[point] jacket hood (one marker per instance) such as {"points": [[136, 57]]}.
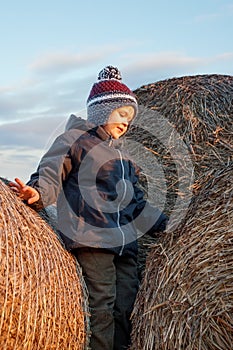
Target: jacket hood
{"points": [[75, 122]]}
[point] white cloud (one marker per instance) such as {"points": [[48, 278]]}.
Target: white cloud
{"points": [[44, 98], [149, 68], [22, 144], [65, 62], [158, 66], [19, 163], [62, 63], [226, 56], [164, 60], [34, 133]]}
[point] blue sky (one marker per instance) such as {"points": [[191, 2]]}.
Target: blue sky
{"points": [[52, 51]]}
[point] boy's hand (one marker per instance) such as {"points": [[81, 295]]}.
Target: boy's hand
{"points": [[25, 192]]}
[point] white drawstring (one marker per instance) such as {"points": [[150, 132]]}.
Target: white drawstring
{"points": [[118, 208]]}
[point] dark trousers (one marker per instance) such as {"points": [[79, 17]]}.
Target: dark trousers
{"points": [[112, 283]]}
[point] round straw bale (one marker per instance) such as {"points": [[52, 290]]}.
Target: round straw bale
{"points": [[43, 298], [200, 110], [186, 299]]}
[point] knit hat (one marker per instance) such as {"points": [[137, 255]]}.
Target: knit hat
{"points": [[107, 94]]}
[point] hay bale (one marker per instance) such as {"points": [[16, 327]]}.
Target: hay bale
{"points": [[43, 299], [200, 111], [186, 299]]}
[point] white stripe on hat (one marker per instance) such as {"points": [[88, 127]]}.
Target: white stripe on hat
{"points": [[112, 97]]}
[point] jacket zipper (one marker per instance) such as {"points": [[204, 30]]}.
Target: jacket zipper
{"points": [[118, 208]]}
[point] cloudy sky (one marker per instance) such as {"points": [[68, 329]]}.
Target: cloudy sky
{"points": [[52, 51]]}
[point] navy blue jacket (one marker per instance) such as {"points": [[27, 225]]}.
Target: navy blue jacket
{"points": [[94, 183]]}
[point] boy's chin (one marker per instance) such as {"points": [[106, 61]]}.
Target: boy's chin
{"points": [[116, 135]]}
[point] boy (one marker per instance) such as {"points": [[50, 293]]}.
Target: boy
{"points": [[99, 205]]}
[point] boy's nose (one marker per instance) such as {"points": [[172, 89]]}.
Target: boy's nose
{"points": [[125, 122]]}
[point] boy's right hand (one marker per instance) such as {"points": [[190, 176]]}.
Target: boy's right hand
{"points": [[28, 193]]}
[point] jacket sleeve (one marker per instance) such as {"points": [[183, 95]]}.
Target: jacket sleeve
{"points": [[52, 171], [148, 218]]}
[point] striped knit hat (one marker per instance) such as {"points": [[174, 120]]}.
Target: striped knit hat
{"points": [[108, 94]]}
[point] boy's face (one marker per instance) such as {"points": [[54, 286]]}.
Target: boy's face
{"points": [[118, 121]]}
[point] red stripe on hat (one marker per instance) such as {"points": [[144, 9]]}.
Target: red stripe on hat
{"points": [[108, 86]]}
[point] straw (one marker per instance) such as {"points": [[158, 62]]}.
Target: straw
{"points": [[43, 297]]}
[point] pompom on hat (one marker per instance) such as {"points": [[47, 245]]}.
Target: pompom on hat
{"points": [[107, 94]]}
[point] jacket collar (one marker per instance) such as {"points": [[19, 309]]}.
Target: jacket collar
{"points": [[102, 134]]}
